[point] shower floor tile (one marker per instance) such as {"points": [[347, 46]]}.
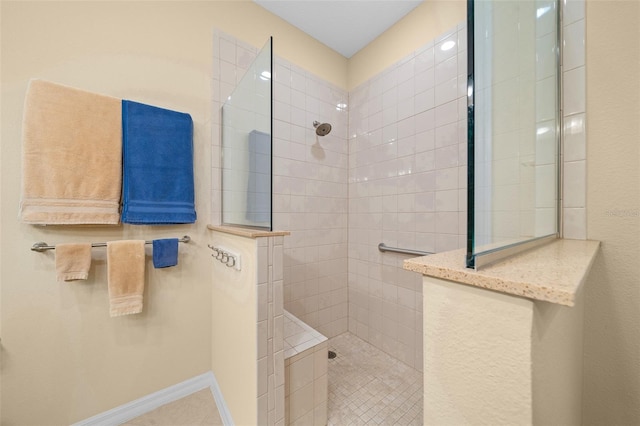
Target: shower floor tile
{"points": [[369, 387]]}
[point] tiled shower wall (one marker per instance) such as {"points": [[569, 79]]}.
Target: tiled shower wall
{"points": [[309, 181], [231, 59], [395, 173], [310, 195], [407, 187], [574, 153]]}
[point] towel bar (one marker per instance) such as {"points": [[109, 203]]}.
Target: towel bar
{"points": [[42, 246]]}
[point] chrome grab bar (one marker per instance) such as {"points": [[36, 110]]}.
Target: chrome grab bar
{"points": [[382, 247]]}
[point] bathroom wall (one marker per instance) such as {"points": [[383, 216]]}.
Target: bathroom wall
{"points": [[574, 145], [249, 296], [407, 180], [425, 22], [310, 195], [235, 301], [612, 314], [63, 358]]}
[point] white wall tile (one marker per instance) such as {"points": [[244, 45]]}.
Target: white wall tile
{"points": [[573, 10], [574, 184], [573, 49], [424, 80], [574, 93], [446, 70], [446, 113], [441, 52], [424, 59], [575, 137], [574, 223], [446, 92], [227, 50]]}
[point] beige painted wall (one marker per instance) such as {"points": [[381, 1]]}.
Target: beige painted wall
{"points": [[557, 337], [612, 323], [63, 358], [474, 371], [497, 359], [424, 23], [234, 317]]}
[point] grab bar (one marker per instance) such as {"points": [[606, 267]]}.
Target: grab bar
{"points": [[382, 247]]}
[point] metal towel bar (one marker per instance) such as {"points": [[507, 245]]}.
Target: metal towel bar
{"points": [[382, 247], [42, 246]]}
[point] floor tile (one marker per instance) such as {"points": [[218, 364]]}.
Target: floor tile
{"points": [[369, 387]]}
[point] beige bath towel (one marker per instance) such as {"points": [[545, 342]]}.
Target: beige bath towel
{"points": [[125, 276], [73, 261], [71, 155]]}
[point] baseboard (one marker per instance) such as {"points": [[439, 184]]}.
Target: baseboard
{"points": [[133, 409], [223, 410]]}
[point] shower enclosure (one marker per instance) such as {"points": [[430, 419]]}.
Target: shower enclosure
{"points": [[391, 170], [246, 147], [514, 126]]}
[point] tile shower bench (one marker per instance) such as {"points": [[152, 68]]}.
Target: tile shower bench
{"points": [[305, 364], [503, 344], [294, 390]]}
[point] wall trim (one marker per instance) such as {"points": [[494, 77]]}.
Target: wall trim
{"points": [[138, 407]]}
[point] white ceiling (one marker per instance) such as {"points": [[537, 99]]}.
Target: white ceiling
{"points": [[346, 26]]}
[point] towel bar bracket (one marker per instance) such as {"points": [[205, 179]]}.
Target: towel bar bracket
{"points": [[40, 246]]}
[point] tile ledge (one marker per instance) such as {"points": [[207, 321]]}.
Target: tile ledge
{"points": [[552, 273], [247, 232]]}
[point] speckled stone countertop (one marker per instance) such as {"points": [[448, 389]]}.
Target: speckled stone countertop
{"points": [[247, 232], [553, 272]]}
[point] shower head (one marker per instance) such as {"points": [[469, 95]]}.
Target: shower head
{"points": [[322, 128]]}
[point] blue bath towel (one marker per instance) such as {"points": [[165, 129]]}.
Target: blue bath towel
{"points": [[157, 150], [165, 253]]}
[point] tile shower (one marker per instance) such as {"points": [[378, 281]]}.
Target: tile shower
{"points": [[407, 187], [392, 170]]}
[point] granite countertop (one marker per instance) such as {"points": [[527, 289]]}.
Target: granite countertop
{"points": [[552, 273], [247, 232]]}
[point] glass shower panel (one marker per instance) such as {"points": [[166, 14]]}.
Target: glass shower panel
{"points": [[513, 123], [246, 147]]}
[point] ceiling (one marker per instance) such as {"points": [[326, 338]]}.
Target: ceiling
{"points": [[346, 26]]}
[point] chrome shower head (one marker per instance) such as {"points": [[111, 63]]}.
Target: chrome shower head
{"points": [[322, 128]]}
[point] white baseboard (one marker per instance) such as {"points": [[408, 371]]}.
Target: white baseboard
{"points": [[133, 409]]}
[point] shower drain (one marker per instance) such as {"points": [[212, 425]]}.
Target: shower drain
{"points": [[332, 355]]}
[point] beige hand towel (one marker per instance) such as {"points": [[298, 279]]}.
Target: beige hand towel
{"points": [[73, 261], [71, 155], [125, 276]]}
